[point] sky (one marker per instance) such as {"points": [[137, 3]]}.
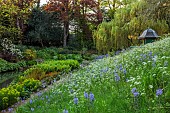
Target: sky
{"points": [[43, 2]]}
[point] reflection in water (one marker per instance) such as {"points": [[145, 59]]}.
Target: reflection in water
{"points": [[7, 78]]}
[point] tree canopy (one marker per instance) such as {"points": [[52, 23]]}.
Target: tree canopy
{"points": [[110, 24]]}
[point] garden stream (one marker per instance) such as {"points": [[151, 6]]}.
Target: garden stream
{"points": [[7, 77]]}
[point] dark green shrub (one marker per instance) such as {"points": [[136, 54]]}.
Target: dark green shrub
{"points": [[64, 51], [31, 62], [7, 66], [61, 57], [89, 56], [40, 31], [77, 57], [46, 53]]}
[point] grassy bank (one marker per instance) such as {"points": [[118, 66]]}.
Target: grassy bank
{"points": [[133, 81]]}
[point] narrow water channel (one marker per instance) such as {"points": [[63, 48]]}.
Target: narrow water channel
{"points": [[7, 78]]}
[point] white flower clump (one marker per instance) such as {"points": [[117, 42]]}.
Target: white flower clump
{"points": [[10, 47]]}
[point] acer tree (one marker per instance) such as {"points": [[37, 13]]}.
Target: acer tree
{"points": [[82, 11]]}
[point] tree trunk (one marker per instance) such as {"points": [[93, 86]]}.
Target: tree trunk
{"points": [[17, 23], [40, 40], [38, 4], [42, 45], [66, 33], [20, 26]]}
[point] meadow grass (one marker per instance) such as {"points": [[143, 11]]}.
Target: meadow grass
{"points": [[133, 81]]}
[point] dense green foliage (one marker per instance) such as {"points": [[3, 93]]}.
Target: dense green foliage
{"points": [[51, 53], [7, 66], [44, 28], [21, 90], [14, 14], [133, 81]]}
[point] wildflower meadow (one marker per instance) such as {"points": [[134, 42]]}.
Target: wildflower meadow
{"points": [[136, 80]]}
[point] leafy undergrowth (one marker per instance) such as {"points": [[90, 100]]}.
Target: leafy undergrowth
{"points": [[133, 81], [7, 66]]}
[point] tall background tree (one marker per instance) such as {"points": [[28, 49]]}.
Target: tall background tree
{"points": [[82, 12], [43, 28]]}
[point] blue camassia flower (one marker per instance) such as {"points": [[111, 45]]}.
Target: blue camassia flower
{"points": [[135, 93], [117, 77], [31, 101], [159, 92], [91, 96], [85, 95], [133, 90], [124, 71], [75, 100]]}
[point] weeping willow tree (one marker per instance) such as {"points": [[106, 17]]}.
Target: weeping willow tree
{"points": [[104, 37], [130, 20], [113, 35]]}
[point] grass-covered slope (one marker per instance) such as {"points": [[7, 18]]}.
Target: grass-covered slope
{"points": [[134, 81]]}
